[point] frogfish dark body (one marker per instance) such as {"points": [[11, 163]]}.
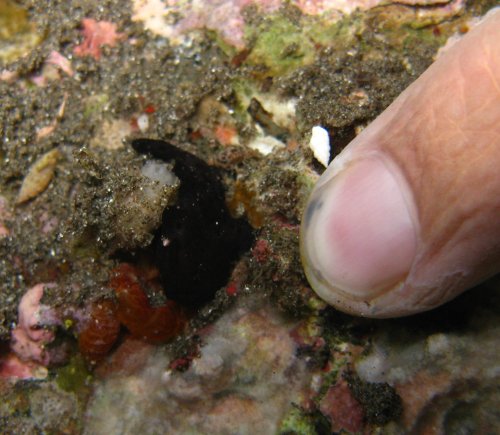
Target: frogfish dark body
{"points": [[199, 241]]}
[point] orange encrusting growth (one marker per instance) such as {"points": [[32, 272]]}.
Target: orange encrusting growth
{"points": [[151, 324], [100, 331]]}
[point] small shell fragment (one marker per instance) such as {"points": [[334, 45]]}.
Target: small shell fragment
{"points": [[143, 123], [320, 145], [39, 176]]}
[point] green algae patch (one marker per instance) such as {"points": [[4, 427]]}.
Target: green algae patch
{"points": [[244, 89], [432, 36], [17, 34], [298, 422], [280, 45], [405, 28], [339, 33], [95, 105], [226, 48], [74, 377]]}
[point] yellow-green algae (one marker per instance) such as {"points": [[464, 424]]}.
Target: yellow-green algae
{"points": [[280, 43], [297, 422], [95, 105], [74, 377], [280, 46]]}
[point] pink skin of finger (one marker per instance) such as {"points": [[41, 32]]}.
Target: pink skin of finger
{"points": [[407, 216]]}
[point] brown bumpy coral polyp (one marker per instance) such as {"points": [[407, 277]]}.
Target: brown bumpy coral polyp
{"points": [[100, 332], [151, 324]]}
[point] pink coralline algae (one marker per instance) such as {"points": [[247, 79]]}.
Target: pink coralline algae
{"points": [[64, 64], [13, 368], [96, 34], [343, 410], [317, 7], [29, 338], [222, 16]]}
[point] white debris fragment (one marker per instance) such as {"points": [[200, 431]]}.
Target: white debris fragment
{"points": [[159, 172], [160, 175], [143, 123], [265, 144], [282, 111], [320, 145]]}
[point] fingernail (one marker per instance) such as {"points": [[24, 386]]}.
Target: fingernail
{"points": [[360, 236]]}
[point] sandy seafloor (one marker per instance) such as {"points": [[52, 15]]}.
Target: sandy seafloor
{"points": [[239, 84]]}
